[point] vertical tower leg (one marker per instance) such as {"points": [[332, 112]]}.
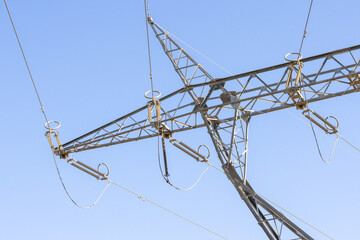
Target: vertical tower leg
{"points": [[274, 223]]}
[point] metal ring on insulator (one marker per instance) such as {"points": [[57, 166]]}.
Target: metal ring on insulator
{"points": [[107, 167], [337, 123], [203, 145], [152, 97], [294, 53], [47, 125]]}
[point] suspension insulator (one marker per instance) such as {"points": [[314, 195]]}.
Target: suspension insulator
{"points": [[296, 96], [154, 103], [191, 152], [326, 125], [89, 170], [59, 149]]}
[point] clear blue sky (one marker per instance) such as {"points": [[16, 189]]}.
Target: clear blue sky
{"points": [[89, 60]]}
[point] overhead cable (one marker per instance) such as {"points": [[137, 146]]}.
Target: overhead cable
{"points": [[166, 209], [285, 210], [311, 124], [318, 147], [146, 6], [305, 28], [69, 196], [318, 230], [26, 62], [45, 116]]}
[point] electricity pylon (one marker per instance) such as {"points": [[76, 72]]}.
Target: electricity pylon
{"points": [[224, 107]]}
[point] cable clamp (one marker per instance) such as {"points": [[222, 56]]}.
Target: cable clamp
{"points": [[290, 83], [298, 99], [165, 131], [150, 20], [354, 81]]}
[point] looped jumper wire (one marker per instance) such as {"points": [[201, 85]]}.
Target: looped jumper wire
{"points": [[198, 157]]}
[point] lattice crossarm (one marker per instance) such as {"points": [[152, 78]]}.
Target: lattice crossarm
{"points": [[265, 90], [172, 113], [257, 94]]}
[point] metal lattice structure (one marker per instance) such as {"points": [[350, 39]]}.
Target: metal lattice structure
{"points": [[224, 106]]}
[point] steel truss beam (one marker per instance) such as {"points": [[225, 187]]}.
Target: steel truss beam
{"points": [[329, 75], [224, 106]]}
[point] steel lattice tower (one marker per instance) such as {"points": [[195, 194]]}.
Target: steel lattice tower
{"points": [[224, 107]]}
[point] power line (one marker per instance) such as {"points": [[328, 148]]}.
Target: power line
{"points": [[352, 145], [46, 119], [283, 209], [26, 63], [68, 194], [166, 209], [306, 24], [311, 124], [178, 188], [146, 6], [349, 143], [296, 217], [109, 181], [317, 143]]}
